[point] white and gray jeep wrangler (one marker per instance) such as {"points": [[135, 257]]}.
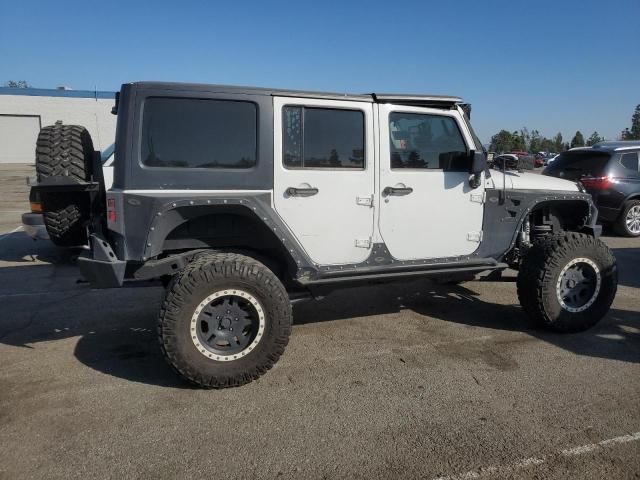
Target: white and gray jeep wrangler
{"points": [[244, 200]]}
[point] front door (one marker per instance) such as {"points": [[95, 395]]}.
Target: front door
{"points": [[427, 207], [324, 176]]}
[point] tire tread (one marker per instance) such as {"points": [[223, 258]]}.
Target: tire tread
{"points": [[206, 267], [536, 271]]}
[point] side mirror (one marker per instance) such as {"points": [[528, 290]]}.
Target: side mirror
{"points": [[478, 162], [478, 165]]}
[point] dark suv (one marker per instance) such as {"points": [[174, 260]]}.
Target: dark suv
{"points": [[610, 171]]}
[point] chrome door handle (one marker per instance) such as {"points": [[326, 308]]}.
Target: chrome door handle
{"points": [[397, 191], [301, 192]]}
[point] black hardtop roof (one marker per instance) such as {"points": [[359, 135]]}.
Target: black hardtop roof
{"points": [[403, 99]]}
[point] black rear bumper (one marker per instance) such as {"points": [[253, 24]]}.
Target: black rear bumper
{"points": [[102, 269], [102, 274]]}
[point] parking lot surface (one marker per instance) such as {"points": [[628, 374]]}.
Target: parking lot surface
{"points": [[410, 380]]}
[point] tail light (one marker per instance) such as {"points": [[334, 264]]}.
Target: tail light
{"points": [[112, 215], [36, 207], [597, 183]]}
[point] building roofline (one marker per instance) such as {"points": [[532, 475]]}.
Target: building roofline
{"points": [[52, 92]]}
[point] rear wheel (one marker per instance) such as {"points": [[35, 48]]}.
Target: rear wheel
{"points": [[628, 224], [225, 321], [64, 151], [567, 283]]}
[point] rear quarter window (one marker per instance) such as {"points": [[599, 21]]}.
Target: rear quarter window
{"points": [[198, 133], [630, 161], [575, 164]]}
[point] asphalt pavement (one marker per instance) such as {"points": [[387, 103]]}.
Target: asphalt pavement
{"points": [[410, 380]]}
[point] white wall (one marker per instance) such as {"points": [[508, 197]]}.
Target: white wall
{"points": [[93, 114]]}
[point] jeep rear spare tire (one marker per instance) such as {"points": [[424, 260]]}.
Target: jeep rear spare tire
{"points": [[567, 282], [225, 320], [65, 152]]}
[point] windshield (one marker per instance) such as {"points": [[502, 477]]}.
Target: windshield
{"points": [[579, 163], [107, 153]]}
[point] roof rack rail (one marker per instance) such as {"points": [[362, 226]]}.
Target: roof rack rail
{"points": [[438, 101]]}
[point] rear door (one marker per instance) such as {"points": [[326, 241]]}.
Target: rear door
{"points": [[427, 206], [324, 176]]}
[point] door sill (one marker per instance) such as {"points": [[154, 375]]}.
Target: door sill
{"points": [[391, 273]]}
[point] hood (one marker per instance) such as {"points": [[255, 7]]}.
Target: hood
{"points": [[534, 181]]}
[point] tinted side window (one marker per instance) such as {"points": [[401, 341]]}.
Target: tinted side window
{"points": [[322, 138], [198, 133], [426, 141], [630, 161], [574, 164]]}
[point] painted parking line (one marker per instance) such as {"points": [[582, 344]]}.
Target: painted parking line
{"points": [[5, 235], [527, 462]]}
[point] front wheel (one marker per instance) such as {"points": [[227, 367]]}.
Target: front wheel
{"points": [[567, 282], [225, 321]]}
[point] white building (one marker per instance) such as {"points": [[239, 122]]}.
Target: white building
{"points": [[23, 111]]}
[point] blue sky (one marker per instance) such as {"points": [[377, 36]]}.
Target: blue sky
{"points": [[549, 65]]}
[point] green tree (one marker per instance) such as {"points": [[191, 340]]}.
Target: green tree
{"points": [[501, 142], [633, 133], [18, 84], [594, 138], [526, 137], [519, 142], [536, 142], [577, 140], [558, 144], [635, 123], [547, 145]]}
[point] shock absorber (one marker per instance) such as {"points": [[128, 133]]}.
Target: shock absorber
{"points": [[525, 232]]}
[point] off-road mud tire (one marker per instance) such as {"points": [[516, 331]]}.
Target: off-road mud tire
{"points": [[65, 151], [206, 274], [64, 217], [538, 278]]}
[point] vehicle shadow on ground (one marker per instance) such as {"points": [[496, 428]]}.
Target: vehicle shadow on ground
{"points": [[117, 334], [615, 337], [625, 258], [117, 328], [18, 247]]}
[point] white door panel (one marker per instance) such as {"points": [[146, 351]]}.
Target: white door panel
{"points": [[434, 220], [329, 222], [441, 216]]}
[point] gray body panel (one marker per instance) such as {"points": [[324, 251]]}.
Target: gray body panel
{"points": [[130, 173], [150, 217]]}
